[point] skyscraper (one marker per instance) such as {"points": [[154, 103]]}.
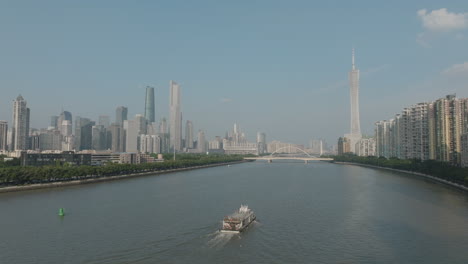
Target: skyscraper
{"points": [[83, 133], [3, 135], [20, 127], [121, 115], [189, 134], [54, 121], [104, 120], [201, 143], [261, 142], [355, 134], [175, 129], [149, 104]]}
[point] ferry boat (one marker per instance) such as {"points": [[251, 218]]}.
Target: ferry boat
{"points": [[239, 220]]}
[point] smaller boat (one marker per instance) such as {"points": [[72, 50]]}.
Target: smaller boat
{"points": [[238, 221]]}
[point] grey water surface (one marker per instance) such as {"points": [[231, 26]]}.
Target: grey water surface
{"points": [[307, 213]]}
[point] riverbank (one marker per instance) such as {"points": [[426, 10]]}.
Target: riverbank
{"points": [[37, 186], [426, 176]]}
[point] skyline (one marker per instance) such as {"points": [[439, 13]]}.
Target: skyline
{"points": [[296, 70]]}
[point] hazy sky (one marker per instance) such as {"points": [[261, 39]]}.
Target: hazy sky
{"points": [[275, 66]]}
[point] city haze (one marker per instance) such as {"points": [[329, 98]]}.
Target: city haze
{"points": [[270, 66]]}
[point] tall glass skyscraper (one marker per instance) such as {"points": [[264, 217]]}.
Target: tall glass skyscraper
{"points": [[175, 128], [149, 104], [121, 115], [189, 134], [20, 128]]}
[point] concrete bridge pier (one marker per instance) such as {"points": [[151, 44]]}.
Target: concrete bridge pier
{"points": [[306, 161], [270, 160]]}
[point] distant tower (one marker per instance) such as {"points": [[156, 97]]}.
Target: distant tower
{"points": [[355, 134], [354, 93], [121, 114], [189, 134], [20, 127], [175, 128], [3, 135], [149, 104]]}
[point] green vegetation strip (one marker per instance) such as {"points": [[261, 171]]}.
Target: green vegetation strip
{"points": [[437, 169], [16, 175]]}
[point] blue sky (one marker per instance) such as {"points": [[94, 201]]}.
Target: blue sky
{"points": [[274, 66]]}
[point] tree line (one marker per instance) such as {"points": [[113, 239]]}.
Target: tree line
{"points": [[438, 169], [17, 175]]}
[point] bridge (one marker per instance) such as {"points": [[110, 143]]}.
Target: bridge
{"points": [[305, 158]]}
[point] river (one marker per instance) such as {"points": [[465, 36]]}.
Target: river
{"points": [[307, 213]]}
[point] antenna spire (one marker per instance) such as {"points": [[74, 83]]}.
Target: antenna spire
{"points": [[353, 60]]}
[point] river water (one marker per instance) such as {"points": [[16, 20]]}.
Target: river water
{"points": [[307, 213]]}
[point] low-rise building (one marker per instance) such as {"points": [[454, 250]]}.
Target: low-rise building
{"points": [[43, 159]]}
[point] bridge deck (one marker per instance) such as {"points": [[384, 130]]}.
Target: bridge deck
{"points": [[288, 158]]}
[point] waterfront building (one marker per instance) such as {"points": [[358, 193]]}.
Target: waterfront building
{"points": [[149, 104], [3, 136], [365, 147], [121, 114], [429, 130], [355, 135], [44, 159], [189, 134], [20, 126], [175, 129], [464, 148], [447, 128]]}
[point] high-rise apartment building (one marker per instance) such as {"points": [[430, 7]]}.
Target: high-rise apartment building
{"points": [[121, 114], [20, 126], [175, 128], [149, 104], [425, 131], [3, 135], [189, 134]]}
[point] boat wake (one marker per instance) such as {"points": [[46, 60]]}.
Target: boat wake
{"points": [[219, 239]]}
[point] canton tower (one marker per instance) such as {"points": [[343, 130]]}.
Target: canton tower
{"points": [[354, 96], [355, 133]]}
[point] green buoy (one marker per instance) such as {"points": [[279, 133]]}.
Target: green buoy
{"points": [[61, 212]]}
